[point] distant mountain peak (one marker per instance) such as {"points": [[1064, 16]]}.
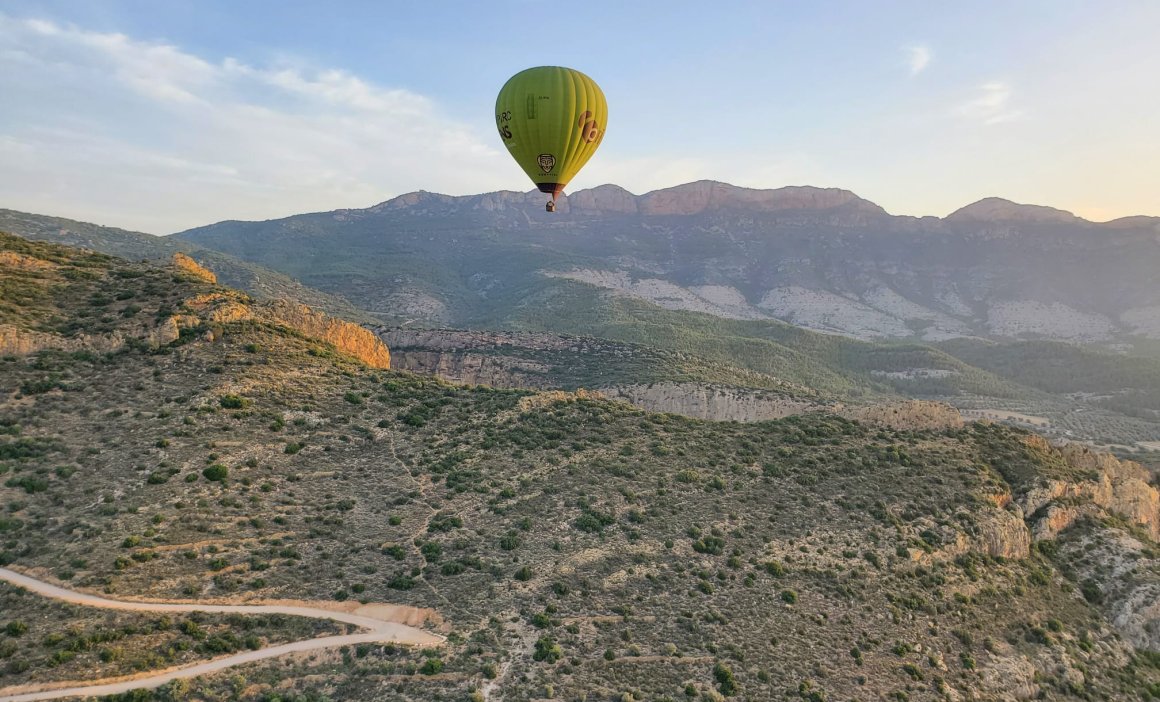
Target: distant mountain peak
{"points": [[996, 209], [704, 195]]}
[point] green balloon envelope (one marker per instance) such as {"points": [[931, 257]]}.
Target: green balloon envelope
{"points": [[551, 120]]}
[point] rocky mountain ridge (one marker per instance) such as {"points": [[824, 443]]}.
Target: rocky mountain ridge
{"points": [[820, 258], [708, 195]]}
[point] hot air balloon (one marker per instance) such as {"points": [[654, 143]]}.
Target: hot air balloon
{"points": [[551, 120]]}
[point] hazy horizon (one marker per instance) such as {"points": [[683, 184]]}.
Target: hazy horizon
{"points": [[167, 117]]}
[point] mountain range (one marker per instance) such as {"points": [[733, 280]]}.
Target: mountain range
{"points": [[822, 259]]}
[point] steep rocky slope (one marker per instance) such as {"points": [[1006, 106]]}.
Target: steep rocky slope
{"points": [[574, 547]]}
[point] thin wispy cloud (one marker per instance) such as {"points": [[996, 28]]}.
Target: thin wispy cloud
{"points": [[163, 139], [918, 58], [991, 104]]}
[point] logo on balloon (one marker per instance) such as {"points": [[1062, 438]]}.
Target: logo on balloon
{"points": [[547, 162], [501, 121], [589, 131]]}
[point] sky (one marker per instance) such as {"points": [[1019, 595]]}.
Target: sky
{"points": [[161, 116]]}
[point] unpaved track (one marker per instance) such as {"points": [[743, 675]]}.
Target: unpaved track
{"points": [[377, 631]]}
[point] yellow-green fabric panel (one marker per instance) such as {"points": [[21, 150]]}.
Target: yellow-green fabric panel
{"points": [[551, 119]]}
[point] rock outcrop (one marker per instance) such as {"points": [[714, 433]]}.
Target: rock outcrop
{"points": [[19, 342], [168, 330], [348, 338], [1120, 487], [23, 262], [192, 268], [1003, 533]]}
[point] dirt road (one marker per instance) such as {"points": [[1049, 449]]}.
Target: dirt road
{"points": [[376, 631]]}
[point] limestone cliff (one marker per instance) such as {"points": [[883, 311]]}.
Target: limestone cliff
{"points": [[708, 401], [474, 368]]}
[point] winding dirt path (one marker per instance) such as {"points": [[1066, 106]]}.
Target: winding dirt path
{"points": [[376, 631]]}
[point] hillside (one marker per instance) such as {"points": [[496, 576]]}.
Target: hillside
{"points": [[261, 282], [823, 259], [571, 546]]}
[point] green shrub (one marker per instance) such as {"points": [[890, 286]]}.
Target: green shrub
{"points": [[593, 522], [29, 483], [216, 473], [441, 523], [712, 545], [1091, 591], [401, 582], [725, 681], [547, 650], [233, 402]]}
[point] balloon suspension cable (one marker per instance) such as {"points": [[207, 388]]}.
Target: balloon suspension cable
{"points": [[551, 206]]}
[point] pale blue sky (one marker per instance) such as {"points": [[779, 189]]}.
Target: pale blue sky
{"points": [[165, 115]]}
